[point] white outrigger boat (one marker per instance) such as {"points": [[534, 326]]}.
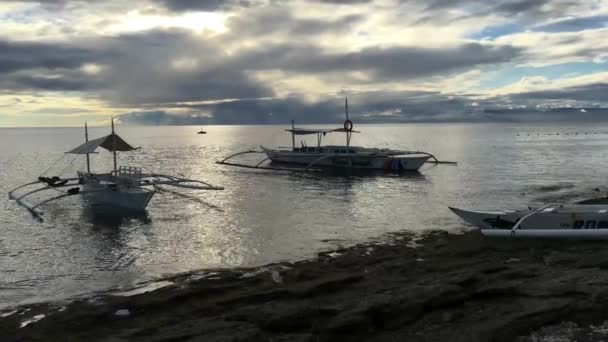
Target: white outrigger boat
{"points": [[584, 219], [337, 156], [124, 189]]}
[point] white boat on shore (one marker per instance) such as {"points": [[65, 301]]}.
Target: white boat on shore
{"points": [[345, 156], [585, 219], [124, 189]]}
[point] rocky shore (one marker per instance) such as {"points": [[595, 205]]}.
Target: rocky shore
{"points": [[444, 287]]}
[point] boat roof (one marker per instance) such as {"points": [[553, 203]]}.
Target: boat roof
{"points": [[111, 142], [306, 131]]}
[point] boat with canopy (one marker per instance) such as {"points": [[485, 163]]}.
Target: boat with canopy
{"points": [[583, 219], [346, 156], [124, 188]]}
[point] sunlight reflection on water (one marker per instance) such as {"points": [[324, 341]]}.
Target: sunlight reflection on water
{"points": [[264, 216]]}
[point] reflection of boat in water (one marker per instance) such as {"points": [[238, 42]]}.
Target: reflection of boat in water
{"points": [[201, 132], [339, 156], [585, 219], [124, 189]]}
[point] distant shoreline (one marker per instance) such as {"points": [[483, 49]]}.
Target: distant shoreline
{"points": [[339, 124]]}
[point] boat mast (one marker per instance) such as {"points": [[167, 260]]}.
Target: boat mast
{"points": [[348, 133], [293, 136], [86, 139], [114, 147]]}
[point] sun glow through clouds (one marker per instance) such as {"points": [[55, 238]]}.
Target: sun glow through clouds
{"points": [[196, 21]]}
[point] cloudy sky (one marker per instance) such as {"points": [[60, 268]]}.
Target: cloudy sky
{"points": [[270, 61]]}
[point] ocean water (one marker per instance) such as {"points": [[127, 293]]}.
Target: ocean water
{"points": [[266, 216]]}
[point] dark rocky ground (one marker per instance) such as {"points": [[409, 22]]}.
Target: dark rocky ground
{"points": [[451, 288]]}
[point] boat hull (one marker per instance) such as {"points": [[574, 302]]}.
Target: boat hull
{"points": [[396, 163], [115, 197], [566, 221]]}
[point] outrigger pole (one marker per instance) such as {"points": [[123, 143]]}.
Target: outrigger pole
{"points": [[293, 136], [114, 147], [86, 139], [348, 132]]}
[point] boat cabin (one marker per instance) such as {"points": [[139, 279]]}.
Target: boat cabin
{"points": [[332, 149]]}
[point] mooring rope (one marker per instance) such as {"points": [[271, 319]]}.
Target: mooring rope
{"points": [[53, 164]]}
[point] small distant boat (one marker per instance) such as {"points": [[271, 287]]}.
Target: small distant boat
{"points": [[123, 189], [201, 132], [584, 219], [338, 156]]}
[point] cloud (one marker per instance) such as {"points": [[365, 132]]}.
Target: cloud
{"points": [[11, 102], [589, 93], [508, 8], [165, 66], [574, 24], [545, 48], [344, 2], [282, 22], [28, 82], [149, 67], [60, 111], [364, 107], [267, 61], [174, 66], [30, 55], [382, 63], [203, 5]]}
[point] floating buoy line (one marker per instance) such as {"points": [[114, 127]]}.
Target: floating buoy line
{"points": [[575, 133]]}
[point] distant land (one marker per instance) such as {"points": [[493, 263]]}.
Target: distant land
{"points": [[563, 114]]}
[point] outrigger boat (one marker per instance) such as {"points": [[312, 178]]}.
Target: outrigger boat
{"points": [[336, 156], [584, 219], [125, 188]]}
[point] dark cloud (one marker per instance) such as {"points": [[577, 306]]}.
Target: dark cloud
{"points": [[374, 107], [192, 86], [203, 5], [591, 93], [345, 2], [280, 21], [382, 63], [421, 106], [531, 9], [520, 6], [565, 114], [364, 108], [16, 56], [255, 111], [28, 82], [144, 69], [149, 72], [512, 7]]}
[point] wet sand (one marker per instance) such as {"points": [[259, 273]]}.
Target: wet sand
{"points": [[448, 288]]}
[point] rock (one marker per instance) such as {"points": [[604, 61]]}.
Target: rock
{"points": [[470, 289], [351, 323], [276, 277], [122, 312]]}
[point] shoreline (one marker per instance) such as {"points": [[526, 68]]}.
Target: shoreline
{"points": [[457, 287]]}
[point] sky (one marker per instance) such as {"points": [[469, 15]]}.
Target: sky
{"points": [[63, 62]]}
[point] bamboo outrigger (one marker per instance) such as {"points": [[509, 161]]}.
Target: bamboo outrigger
{"points": [[123, 188]]}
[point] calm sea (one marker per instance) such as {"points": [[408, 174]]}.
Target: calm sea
{"points": [[265, 216]]}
